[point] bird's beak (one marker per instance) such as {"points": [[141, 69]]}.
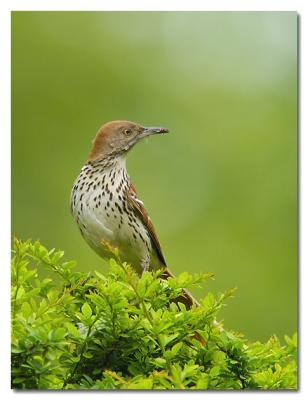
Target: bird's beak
{"points": [[151, 130]]}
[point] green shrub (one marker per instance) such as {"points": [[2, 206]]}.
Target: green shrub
{"points": [[75, 330]]}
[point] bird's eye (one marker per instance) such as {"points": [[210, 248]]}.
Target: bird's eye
{"points": [[127, 132]]}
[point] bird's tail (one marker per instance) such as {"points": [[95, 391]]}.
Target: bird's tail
{"points": [[185, 298]]}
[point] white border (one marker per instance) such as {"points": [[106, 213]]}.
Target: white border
{"points": [[159, 5], [6, 7]]}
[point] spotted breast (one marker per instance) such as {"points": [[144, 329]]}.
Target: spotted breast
{"points": [[101, 203]]}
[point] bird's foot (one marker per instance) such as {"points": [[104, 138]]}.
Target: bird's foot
{"points": [[145, 263]]}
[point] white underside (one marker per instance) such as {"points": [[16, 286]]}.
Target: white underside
{"points": [[96, 226]]}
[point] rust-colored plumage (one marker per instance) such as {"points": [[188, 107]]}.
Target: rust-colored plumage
{"points": [[107, 136], [142, 212]]}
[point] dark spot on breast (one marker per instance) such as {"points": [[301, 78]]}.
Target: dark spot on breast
{"points": [[141, 237], [119, 208], [124, 204]]}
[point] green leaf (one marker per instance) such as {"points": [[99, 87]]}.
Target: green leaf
{"points": [[72, 329], [144, 383], [160, 362], [19, 379], [26, 309], [56, 257], [183, 278], [69, 265], [57, 334], [86, 310], [166, 339], [176, 348], [147, 343], [52, 295]]}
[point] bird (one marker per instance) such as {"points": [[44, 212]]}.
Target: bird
{"points": [[106, 207]]}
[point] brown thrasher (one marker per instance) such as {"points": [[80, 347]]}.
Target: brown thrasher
{"points": [[105, 205]]}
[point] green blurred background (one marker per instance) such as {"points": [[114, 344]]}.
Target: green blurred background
{"points": [[221, 188]]}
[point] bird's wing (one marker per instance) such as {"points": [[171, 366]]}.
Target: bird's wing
{"points": [[140, 210]]}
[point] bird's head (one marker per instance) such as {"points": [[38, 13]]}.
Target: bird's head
{"points": [[117, 137]]}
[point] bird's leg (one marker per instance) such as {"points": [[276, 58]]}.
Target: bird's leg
{"points": [[145, 263]]}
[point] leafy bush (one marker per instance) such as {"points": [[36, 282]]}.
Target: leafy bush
{"points": [[75, 330]]}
